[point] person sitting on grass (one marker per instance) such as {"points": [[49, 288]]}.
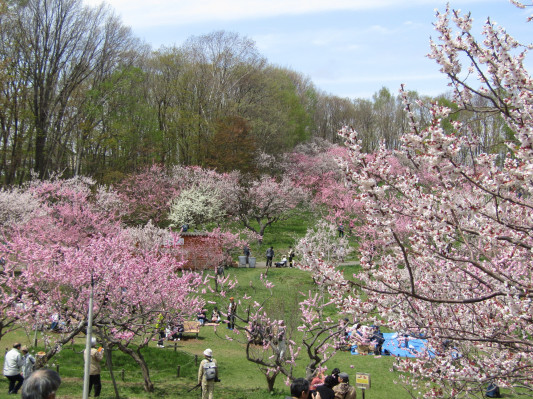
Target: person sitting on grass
{"points": [[215, 316]]}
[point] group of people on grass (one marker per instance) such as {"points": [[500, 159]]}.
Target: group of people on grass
{"points": [[19, 367], [367, 337], [216, 315], [334, 386], [44, 383], [171, 332], [286, 260]]}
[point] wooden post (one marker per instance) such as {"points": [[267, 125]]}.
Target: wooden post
{"points": [[196, 360], [175, 346], [123, 374], [178, 372]]}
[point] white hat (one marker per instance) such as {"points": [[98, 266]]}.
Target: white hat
{"points": [[208, 352], [93, 341]]}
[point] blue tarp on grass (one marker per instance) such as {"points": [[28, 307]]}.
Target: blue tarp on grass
{"points": [[400, 345]]}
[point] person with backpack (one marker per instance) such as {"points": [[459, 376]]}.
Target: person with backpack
{"points": [[208, 374]]}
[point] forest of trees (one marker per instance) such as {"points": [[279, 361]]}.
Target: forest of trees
{"points": [[81, 95]]}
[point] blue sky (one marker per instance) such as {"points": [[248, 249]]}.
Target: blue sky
{"points": [[348, 48]]}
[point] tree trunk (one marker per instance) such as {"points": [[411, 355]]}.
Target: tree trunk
{"points": [[109, 363], [139, 359], [271, 379]]}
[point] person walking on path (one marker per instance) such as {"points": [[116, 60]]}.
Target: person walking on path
{"points": [[269, 256], [13, 363], [28, 362], [94, 371], [246, 252], [208, 374]]}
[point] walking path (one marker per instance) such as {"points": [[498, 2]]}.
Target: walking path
{"points": [[262, 264]]}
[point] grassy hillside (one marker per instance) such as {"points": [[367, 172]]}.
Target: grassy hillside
{"points": [[240, 378]]}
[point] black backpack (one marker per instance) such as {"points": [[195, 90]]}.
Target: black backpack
{"points": [[493, 391]]}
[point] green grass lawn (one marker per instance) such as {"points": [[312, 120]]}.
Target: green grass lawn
{"points": [[240, 378]]}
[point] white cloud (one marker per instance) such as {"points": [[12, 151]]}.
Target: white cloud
{"points": [[181, 12]]}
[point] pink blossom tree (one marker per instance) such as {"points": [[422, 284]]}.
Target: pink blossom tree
{"points": [[447, 244], [74, 241], [277, 341], [321, 335], [17, 206], [322, 244], [266, 201], [147, 195], [317, 168], [266, 333]]}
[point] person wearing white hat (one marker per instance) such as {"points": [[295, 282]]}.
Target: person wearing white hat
{"points": [[208, 374]]}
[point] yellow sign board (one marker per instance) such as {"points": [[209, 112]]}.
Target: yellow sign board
{"points": [[362, 381]]}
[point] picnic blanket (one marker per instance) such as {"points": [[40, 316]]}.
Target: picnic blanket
{"points": [[404, 346]]}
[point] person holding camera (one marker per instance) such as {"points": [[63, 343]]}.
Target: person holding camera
{"points": [[96, 356]]}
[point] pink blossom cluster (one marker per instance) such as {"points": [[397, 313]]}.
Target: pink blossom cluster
{"points": [[74, 242]]}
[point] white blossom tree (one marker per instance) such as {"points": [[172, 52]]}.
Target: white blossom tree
{"points": [[446, 228]]}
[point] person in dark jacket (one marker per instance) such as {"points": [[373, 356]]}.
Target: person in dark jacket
{"points": [[299, 389], [326, 389], [269, 256], [335, 374]]}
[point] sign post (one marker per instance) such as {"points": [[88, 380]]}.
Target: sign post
{"points": [[362, 381]]}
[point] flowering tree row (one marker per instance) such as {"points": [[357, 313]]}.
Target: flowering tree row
{"points": [[70, 242], [199, 197]]}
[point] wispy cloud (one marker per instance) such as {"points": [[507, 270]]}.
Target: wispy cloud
{"points": [[182, 12]]}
